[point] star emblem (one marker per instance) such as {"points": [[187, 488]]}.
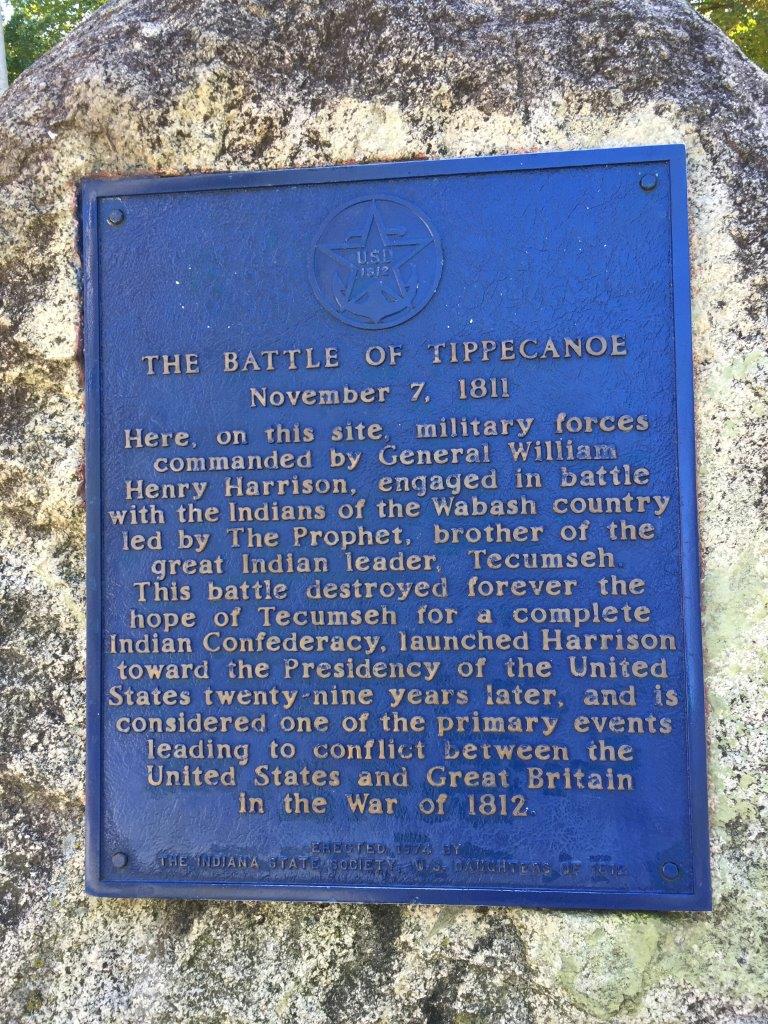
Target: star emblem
{"points": [[374, 276]]}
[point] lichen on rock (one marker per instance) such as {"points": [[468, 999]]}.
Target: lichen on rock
{"points": [[165, 86]]}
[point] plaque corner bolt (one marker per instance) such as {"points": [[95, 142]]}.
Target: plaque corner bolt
{"points": [[670, 870], [648, 181], [115, 217], [119, 860]]}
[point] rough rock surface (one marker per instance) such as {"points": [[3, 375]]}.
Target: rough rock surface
{"points": [[168, 85]]}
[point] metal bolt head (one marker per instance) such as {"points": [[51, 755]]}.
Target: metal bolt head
{"points": [[119, 860], [670, 870], [115, 217], [648, 181]]}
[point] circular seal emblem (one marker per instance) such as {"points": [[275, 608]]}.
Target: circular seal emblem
{"points": [[376, 263]]}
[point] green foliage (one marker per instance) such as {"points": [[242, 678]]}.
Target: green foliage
{"points": [[745, 21], [37, 25]]}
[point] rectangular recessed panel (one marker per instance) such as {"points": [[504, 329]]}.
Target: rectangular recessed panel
{"points": [[392, 578]]}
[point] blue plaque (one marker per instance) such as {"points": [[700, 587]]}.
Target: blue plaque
{"points": [[392, 555]]}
